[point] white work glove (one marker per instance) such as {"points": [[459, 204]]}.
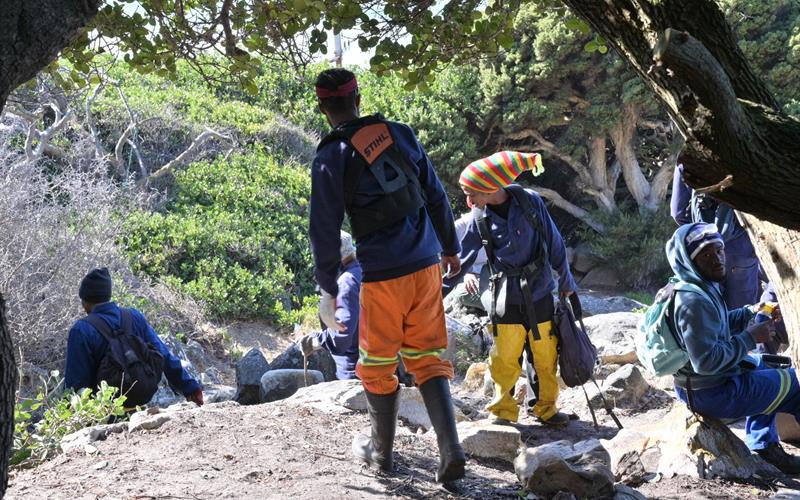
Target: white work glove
{"points": [[327, 310]]}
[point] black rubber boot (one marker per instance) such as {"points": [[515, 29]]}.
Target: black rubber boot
{"points": [[777, 456], [436, 394], [376, 449]]}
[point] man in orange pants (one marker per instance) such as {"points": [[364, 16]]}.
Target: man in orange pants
{"points": [[377, 172]]}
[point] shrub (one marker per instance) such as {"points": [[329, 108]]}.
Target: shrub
{"points": [[234, 237], [61, 414], [633, 245]]}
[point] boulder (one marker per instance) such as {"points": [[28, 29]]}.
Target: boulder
{"points": [[600, 277], [214, 393], [622, 389], [164, 396], [211, 376], [292, 359], [175, 346], [594, 304], [684, 443], [486, 440], [466, 342], [584, 259], [249, 371], [282, 383], [474, 379], [581, 469], [613, 335]]}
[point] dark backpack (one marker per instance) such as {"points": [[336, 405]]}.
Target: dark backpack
{"points": [[130, 363], [577, 356]]}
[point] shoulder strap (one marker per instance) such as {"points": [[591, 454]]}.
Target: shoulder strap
{"points": [[519, 194], [126, 323], [486, 240]]}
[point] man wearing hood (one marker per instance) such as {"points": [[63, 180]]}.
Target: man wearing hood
{"points": [[721, 379]]}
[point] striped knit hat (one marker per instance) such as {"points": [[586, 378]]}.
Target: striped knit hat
{"points": [[489, 174]]}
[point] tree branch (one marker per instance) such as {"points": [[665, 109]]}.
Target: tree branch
{"points": [[99, 150], [188, 154], [574, 210]]}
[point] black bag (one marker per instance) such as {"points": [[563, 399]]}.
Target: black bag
{"points": [[577, 356], [129, 363]]}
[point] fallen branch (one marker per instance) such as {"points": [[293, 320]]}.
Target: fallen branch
{"points": [[188, 154]]}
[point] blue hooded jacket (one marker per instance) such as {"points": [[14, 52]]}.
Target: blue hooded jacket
{"points": [[715, 338]]}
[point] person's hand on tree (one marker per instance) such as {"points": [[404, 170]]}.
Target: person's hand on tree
{"points": [[196, 397], [472, 283]]}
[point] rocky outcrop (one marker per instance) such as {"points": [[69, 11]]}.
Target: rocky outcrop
{"points": [[581, 469], [683, 443]]}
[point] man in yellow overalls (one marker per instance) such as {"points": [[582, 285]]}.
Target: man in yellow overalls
{"points": [[524, 245]]}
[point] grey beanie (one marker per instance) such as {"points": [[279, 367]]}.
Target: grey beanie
{"points": [[96, 286]]}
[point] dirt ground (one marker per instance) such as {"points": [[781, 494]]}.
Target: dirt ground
{"points": [[282, 450]]}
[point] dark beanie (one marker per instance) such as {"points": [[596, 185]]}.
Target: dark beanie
{"points": [[96, 286]]}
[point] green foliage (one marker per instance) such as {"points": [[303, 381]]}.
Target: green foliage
{"points": [[639, 296], [633, 246], [234, 237], [37, 441], [769, 36]]}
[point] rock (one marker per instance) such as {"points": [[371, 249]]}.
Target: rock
{"points": [[623, 492], [473, 380], [211, 376], [195, 352], [150, 419], [584, 259], [282, 383], [217, 393], [80, 438], [593, 304], [486, 440], [164, 396], [613, 334], [249, 371], [622, 389], [412, 408], [292, 359], [251, 367], [175, 346], [521, 389], [488, 384], [581, 469], [682, 443], [464, 345], [601, 277]]}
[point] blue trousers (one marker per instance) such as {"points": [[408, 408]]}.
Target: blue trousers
{"points": [[757, 395]]}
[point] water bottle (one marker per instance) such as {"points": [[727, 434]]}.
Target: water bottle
{"points": [[765, 312]]}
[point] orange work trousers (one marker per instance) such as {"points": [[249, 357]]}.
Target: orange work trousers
{"points": [[402, 316]]}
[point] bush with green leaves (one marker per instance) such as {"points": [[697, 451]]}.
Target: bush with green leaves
{"points": [[234, 236], [633, 246], [37, 440]]}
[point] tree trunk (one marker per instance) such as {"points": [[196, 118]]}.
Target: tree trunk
{"points": [[33, 32], [604, 178], [8, 389], [739, 146]]}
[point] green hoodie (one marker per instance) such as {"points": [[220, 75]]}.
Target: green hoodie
{"points": [[715, 338]]}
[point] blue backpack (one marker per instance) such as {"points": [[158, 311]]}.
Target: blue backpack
{"points": [[659, 347]]}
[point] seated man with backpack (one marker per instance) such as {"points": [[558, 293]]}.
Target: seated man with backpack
{"points": [[719, 376], [523, 247], [119, 346]]}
